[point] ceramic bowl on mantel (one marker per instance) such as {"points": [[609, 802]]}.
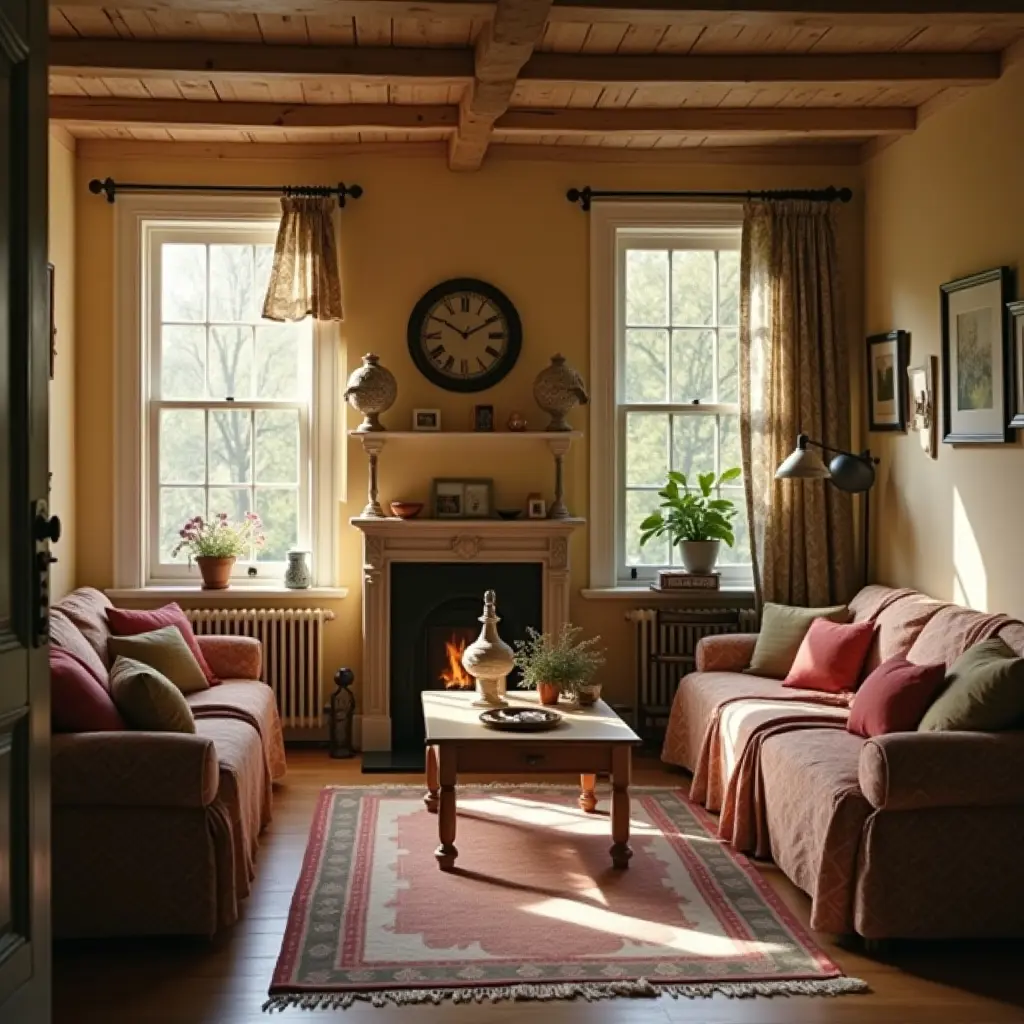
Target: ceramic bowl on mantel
{"points": [[407, 509], [509, 513]]}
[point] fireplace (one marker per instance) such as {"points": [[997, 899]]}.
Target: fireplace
{"points": [[435, 608]]}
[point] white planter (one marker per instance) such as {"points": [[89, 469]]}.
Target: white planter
{"points": [[699, 555]]}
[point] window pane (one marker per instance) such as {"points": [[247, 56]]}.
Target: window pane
{"points": [[183, 282], [728, 365], [739, 554], [182, 446], [646, 366], [234, 502], [264, 262], [279, 510], [277, 446], [177, 506], [646, 449], [729, 287], [639, 505], [693, 287], [230, 447], [646, 287], [231, 362], [279, 351], [693, 354], [183, 362], [729, 443], [232, 291], [693, 444]]}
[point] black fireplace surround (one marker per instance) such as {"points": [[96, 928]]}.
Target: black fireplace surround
{"points": [[437, 602]]}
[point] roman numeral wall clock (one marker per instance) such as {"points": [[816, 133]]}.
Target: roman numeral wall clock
{"points": [[465, 335]]}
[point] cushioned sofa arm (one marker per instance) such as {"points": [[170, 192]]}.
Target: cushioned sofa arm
{"points": [[133, 769], [906, 770], [232, 657], [729, 652]]}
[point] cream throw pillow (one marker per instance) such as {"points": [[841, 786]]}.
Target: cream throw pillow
{"points": [[147, 699], [165, 650], [783, 628]]}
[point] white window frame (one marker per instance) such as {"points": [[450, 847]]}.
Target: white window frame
{"points": [[143, 222], [614, 227]]}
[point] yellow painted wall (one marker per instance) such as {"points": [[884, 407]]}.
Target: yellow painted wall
{"points": [[941, 204], [419, 224], [63, 192]]}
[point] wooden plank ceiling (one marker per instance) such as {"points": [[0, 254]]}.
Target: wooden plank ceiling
{"points": [[647, 74]]}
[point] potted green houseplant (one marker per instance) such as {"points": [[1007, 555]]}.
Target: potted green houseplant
{"points": [[558, 663], [694, 519], [215, 544]]}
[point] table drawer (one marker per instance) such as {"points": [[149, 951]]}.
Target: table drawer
{"points": [[515, 756]]}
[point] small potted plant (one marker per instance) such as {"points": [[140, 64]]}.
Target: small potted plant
{"points": [[215, 544], [694, 519], [557, 663]]}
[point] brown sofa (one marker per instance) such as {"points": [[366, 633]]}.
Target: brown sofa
{"points": [[907, 835], [156, 833]]}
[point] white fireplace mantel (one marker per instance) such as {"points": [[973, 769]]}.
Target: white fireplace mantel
{"points": [[541, 541]]}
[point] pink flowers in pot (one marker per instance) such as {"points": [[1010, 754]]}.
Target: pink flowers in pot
{"points": [[219, 537]]}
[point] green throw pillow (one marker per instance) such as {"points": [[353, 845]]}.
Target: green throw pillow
{"points": [[165, 650], [147, 699], [783, 628], [984, 692]]}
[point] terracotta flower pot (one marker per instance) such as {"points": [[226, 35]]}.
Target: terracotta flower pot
{"points": [[588, 695], [216, 572], [548, 693]]}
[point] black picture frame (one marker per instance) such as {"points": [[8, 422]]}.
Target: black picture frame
{"points": [[51, 272], [483, 419], [1015, 311], [899, 341], [1001, 390]]}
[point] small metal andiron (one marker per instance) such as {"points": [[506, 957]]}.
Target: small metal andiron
{"points": [[489, 659], [340, 714]]}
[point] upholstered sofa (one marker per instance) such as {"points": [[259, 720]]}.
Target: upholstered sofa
{"points": [[156, 833], [906, 835]]}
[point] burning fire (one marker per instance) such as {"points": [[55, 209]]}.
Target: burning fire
{"points": [[455, 677]]}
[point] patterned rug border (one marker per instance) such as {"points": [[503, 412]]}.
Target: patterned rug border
{"points": [[311, 999]]}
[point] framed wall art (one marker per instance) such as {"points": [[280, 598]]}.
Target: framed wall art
{"points": [[1016, 311], [887, 381], [921, 385], [976, 359]]}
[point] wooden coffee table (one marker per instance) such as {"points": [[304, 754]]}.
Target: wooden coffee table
{"points": [[590, 740]]}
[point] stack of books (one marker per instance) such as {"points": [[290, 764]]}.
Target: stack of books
{"points": [[672, 580]]}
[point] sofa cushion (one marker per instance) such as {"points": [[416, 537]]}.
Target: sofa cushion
{"points": [[147, 699], [78, 701], [898, 626], [830, 657], [86, 609], [895, 697], [132, 621], [951, 631], [984, 692], [166, 651], [783, 628], [67, 636]]}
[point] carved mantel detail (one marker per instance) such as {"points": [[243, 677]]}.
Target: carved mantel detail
{"points": [[466, 545]]}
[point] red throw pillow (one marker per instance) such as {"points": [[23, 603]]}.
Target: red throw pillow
{"points": [[126, 622], [78, 701], [831, 656], [895, 697]]}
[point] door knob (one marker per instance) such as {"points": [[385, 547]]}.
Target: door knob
{"points": [[48, 528]]}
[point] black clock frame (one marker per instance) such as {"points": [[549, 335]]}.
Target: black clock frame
{"points": [[513, 346]]}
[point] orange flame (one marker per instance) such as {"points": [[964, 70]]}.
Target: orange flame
{"points": [[455, 677]]}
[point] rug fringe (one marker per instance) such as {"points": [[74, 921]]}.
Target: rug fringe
{"points": [[640, 989]]}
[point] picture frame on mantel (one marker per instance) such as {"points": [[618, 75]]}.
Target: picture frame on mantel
{"points": [[1016, 313], [977, 358], [887, 381]]}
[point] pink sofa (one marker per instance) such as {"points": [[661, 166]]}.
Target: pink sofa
{"points": [[156, 833], [908, 835]]}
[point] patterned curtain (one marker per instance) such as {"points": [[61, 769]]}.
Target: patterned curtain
{"points": [[305, 280], [794, 376]]}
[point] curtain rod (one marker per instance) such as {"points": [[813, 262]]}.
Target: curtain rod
{"points": [[111, 188], [584, 196]]}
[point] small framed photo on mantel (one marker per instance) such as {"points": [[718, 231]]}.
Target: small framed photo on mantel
{"points": [[887, 381], [977, 359]]}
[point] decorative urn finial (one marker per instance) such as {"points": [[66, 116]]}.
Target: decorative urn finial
{"points": [[557, 389], [489, 659], [372, 389]]}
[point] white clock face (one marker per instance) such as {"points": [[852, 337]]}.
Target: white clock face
{"points": [[464, 335]]}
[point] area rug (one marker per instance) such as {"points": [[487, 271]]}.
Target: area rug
{"points": [[534, 908]]}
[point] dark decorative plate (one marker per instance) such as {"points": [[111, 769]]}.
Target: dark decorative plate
{"points": [[521, 719]]}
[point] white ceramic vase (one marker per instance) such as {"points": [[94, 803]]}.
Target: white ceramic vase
{"points": [[489, 659], [699, 556]]}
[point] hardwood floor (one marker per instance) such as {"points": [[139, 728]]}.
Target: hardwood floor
{"points": [[225, 981]]}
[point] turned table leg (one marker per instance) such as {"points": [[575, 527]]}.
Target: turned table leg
{"points": [[430, 797], [446, 851], [622, 759], [588, 798]]}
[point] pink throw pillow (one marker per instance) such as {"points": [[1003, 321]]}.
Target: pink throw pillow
{"points": [[895, 697], [132, 622], [831, 656], [78, 701]]}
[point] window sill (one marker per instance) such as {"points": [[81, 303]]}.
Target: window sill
{"points": [[730, 592], [176, 592]]}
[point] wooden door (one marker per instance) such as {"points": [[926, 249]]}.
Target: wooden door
{"points": [[24, 522]]}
